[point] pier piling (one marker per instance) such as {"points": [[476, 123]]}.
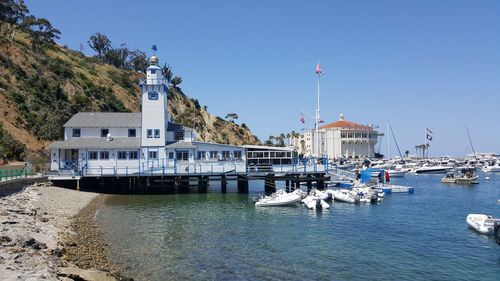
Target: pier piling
{"points": [[242, 184], [223, 184]]}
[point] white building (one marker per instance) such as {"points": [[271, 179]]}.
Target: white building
{"points": [[338, 139], [134, 143]]}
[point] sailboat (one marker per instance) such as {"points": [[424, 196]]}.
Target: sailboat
{"points": [[393, 172]]}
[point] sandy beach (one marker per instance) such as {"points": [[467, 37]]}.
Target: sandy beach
{"points": [[49, 233]]}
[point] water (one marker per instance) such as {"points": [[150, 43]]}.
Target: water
{"points": [[224, 237]]}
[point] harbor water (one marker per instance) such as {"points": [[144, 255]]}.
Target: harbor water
{"points": [[214, 236]]}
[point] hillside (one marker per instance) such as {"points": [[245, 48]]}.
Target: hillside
{"points": [[42, 87]]}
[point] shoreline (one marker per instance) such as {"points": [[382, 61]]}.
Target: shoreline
{"points": [[50, 233]]}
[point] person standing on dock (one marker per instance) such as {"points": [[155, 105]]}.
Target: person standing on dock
{"points": [[387, 178]]}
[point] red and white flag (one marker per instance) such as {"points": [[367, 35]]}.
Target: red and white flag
{"points": [[302, 120], [318, 69]]}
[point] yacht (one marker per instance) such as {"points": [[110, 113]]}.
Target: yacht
{"points": [[426, 169]]}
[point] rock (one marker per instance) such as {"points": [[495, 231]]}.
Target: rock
{"points": [[43, 219], [58, 252], [32, 243], [5, 239]]}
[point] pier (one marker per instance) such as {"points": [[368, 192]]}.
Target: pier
{"points": [[187, 183]]}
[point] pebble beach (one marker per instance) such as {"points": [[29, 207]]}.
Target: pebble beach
{"points": [[49, 233]]}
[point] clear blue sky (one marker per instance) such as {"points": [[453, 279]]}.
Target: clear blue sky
{"points": [[418, 64]]}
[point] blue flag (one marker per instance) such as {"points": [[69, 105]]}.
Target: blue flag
{"points": [[154, 48]]}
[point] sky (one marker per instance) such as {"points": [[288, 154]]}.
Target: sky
{"points": [[418, 64]]}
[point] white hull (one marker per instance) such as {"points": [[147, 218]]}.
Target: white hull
{"points": [[280, 198], [344, 196], [491, 169], [481, 223], [313, 203], [396, 174], [433, 170]]}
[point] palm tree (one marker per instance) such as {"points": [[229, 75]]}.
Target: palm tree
{"points": [[288, 138]]}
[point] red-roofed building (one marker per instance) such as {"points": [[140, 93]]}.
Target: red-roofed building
{"points": [[341, 138]]}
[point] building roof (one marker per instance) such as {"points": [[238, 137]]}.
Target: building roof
{"points": [[105, 120], [264, 147], [181, 145], [346, 125], [96, 143]]}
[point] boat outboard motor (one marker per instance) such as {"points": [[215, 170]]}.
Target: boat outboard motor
{"points": [[318, 204], [496, 232], [374, 198]]}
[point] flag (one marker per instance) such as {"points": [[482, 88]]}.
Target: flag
{"points": [[302, 120], [318, 69], [429, 131], [429, 137], [154, 48]]}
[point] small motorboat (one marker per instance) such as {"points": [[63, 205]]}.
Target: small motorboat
{"points": [[432, 169], [396, 173], [482, 223], [280, 198], [464, 176], [315, 203], [345, 196]]}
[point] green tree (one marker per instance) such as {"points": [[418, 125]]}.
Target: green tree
{"points": [[167, 73], [100, 43], [12, 14], [232, 117], [117, 57], [176, 81], [138, 61]]}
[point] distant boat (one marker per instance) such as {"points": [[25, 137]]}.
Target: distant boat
{"points": [[492, 167], [432, 169], [465, 176], [396, 173]]}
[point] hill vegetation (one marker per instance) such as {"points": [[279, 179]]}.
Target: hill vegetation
{"points": [[42, 84]]}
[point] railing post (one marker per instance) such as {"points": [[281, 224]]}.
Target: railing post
{"points": [[101, 171]]}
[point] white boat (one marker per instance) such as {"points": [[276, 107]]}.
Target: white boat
{"points": [[465, 176], [321, 194], [280, 198], [492, 167], [481, 223], [313, 203], [344, 196], [432, 169], [396, 173]]}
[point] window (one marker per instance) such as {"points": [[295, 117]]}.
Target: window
{"points": [[202, 155], [182, 155], [132, 155], [157, 133], [170, 155], [122, 155], [92, 155], [149, 133], [104, 155], [237, 154], [132, 133], [213, 154], [153, 71], [104, 133], [153, 154], [76, 133], [226, 155], [153, 96], [179, 135]]}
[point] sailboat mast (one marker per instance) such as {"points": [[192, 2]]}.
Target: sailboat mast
{"points": [[318, 118], [388, 141], [470, 141]]}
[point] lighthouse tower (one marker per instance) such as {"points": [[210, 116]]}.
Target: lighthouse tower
{"points": [[154, 112]]}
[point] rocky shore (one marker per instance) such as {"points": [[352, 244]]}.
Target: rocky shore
{"points": [[49, 233]]}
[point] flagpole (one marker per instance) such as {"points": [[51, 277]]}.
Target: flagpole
{"points": [[318, 72]]}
